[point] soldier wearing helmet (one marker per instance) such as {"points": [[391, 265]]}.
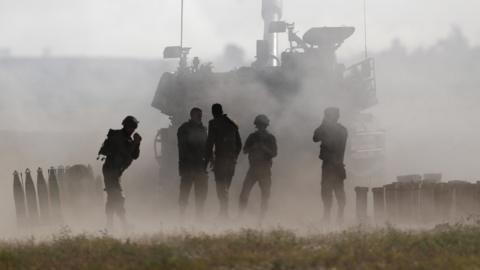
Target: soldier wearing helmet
{"points": [[333, 138], [118, 150], [261, 147]]}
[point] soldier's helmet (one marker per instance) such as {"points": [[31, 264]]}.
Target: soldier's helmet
{"points": [[130, 121], [261, 120]]}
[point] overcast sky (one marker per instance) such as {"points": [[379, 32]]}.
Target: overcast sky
{"points": [[134, 28]]}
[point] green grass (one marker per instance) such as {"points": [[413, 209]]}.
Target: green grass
{"points": [[456, 247]]}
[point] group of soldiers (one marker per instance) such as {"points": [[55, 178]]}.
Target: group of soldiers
{"points": [[218, 148]]}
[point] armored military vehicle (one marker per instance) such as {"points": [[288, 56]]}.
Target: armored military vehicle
{"points": [[292, 88]]}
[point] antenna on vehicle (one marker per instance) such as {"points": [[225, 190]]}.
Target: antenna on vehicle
{"points": [[181, 25], [364, 26], [178, 51]]}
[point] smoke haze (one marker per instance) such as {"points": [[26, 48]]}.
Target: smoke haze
{"points": [[127, 28], [57, 110]]}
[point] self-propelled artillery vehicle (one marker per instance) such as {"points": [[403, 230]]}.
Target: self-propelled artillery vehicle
{"points": [[292, 88]]}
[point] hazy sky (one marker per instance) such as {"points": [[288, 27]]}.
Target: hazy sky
{"points": [[135, 28]]}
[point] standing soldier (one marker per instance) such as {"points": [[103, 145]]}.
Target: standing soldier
{"points": [[192, 138], [120, 150], [223, 135], [261, 147], [333, 137]]}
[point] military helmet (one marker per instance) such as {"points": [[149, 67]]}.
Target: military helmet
{"points": [[261, 120], [130, 121]]}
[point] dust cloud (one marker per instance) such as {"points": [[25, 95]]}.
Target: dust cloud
{"points": [[57, 111]]}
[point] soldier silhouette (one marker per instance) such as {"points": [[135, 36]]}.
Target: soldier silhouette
{"points": [[192, 138], [119, 150], [223, 136], [333, 138], [261, 147]]}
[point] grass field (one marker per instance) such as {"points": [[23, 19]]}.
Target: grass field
{"points": [[448, 247]]}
